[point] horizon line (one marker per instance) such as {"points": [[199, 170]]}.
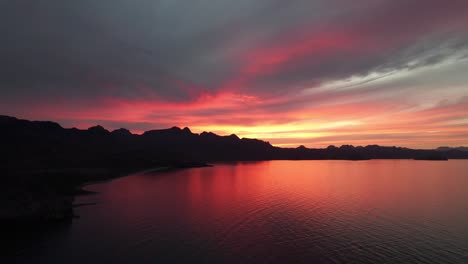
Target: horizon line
{"points": [[279, 145]]}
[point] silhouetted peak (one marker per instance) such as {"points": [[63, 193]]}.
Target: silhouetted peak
{"points": [[233, 136], [347, 147], [47, 125], [255, 141], [205, 134], [452, 148], [173, 131], [98, 130], [122, 132], [42, 125], [174, 144], [444, 148], [7, 119]]}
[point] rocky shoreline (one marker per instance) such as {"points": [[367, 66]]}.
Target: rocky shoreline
{"points": [[34, 198]]}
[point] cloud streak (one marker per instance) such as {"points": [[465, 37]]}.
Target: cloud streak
{"points": [[297, 72]]}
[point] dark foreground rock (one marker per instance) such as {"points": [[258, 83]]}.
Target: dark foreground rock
{"points": [[38, 198], [35, 199]]}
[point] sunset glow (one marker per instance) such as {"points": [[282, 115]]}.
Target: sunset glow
{"points": [[387, 73]]}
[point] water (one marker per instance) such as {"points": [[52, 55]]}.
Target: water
{"points": [[378, 211]]}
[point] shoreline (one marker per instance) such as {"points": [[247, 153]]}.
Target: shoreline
{"points": [[82, 191], [38, 197], [33, 199], [144, 171]]}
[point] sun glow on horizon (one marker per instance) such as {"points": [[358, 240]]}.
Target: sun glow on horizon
{"points": [[318, 79]]}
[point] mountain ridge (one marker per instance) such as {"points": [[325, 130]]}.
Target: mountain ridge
{"points": [[50, 143], [43, 164], [124, 131]]}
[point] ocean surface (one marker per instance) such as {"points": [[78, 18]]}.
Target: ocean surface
{"points": [[377, 211]]}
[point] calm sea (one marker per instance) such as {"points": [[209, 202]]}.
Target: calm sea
{"points": [[377, 211]]}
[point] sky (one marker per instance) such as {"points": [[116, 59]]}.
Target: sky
{"points": [[296, 72]]}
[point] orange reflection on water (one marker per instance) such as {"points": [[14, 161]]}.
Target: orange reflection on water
{"points": [[289, 210], [402, 187]]}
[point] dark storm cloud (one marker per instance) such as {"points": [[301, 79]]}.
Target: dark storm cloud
{"points": [[261, 68], [176, 50], [133, 48], [55, 45], [383, 37]]}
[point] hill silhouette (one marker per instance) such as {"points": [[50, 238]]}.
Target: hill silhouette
{"points": [[451, 148], [44, 144], [43, 163]]}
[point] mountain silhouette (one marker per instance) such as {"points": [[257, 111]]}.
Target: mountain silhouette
{"points": [[450, 148], [43, 164], [44, 144]]}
